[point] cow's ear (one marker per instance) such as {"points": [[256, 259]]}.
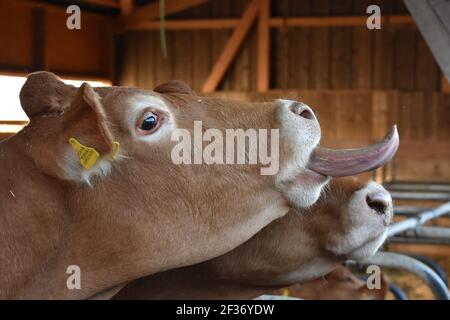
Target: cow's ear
{"points": [[88, 140], [44, 93], [85, 121], [174, 86]]}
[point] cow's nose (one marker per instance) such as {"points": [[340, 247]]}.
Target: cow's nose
{"points": [[380, 201], [303, 111]]}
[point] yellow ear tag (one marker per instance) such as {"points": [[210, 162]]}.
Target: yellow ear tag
{"points": [[285, 292], [88, 156], [116, 148]]}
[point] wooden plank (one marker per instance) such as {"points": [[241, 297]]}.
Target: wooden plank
{"points": [[231, 47], [429, 150], [319, 66], [361, 71], [190, 24], [444, 118], [341, 46], [165, 69], [343, 21], [379, 117], [419, 114], [361, 74], [427, 70], [383, 59], [405, 59], [202, 52], [128, 74], [183, 66], [299, 49], [263, 46], [145, 61], [274, 22], [16, 34], [84, 51], [354, 116]]}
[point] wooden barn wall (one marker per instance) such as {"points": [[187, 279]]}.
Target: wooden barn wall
{"points": [[395, 57], [35, 37]]}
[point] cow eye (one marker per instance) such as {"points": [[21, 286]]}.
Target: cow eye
{"points": [[149, 122]]}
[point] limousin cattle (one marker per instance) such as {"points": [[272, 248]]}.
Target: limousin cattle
{"points": [[348, 222], [90, 183]]}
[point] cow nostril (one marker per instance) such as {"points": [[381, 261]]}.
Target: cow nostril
{"points": [[378, 201], [303, 111], [306, 114]]}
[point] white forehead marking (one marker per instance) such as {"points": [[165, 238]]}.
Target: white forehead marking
{"points": [[138, 104], [141, 101]]}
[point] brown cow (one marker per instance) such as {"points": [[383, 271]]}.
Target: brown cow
{"points": [[70, 198], [348, 222]]}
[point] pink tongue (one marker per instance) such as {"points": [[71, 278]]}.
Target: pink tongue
{"points": [[347, 162]]}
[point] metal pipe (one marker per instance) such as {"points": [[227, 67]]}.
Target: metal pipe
{"points": [[416, 240], [421, 270], [434, 187], [409, 210], [403, 195], [418, 220], [429, 232]]}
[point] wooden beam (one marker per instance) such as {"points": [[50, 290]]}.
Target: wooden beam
{"points": [[445, 85], [151, 11], [232, 47], [126, 7], [263, 46], [189, 24], [103, 3], [338, 21], [231, 23]]}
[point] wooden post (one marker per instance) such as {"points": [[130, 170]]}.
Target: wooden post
{"points": [[232, 47], [263, 46]]}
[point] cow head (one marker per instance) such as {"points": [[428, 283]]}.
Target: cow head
{"points": [[349, 222], [121, 208]]}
